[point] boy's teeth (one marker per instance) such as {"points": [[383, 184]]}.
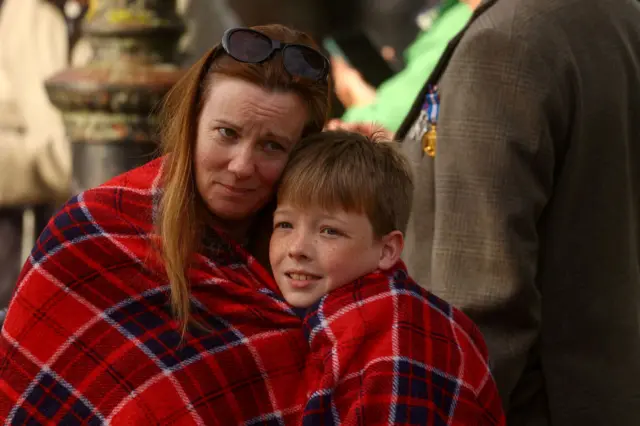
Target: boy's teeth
{"points": [[301, 277]]}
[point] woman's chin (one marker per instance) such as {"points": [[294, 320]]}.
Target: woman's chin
{"points": [[233, 213]]}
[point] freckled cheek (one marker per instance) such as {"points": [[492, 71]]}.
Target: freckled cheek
{"points": [[277, 248], [332, 255]]}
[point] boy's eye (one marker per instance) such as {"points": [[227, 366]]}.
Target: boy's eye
{"points": [[331, 231], [282, 225], [227, 133]]}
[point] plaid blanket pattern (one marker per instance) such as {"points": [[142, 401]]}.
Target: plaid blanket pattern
{"points": [[89, 337], [386, 351]]}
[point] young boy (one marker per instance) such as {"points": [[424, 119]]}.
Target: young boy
{"points": [[387, 350]]}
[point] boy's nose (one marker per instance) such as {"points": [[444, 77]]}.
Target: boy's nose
{"points": [[298, 246]]}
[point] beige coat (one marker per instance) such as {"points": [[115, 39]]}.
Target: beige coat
{"points": [[528, 217], [35, 159]]}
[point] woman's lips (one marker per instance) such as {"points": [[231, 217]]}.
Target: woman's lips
{"points": [[236, 189]]}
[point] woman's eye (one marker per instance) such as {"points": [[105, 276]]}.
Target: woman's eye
{"points": [[271, 146], [283, 225], [331, 231], [227, 133]]}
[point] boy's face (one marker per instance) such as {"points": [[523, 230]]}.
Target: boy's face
{"points": [[314, 251]]}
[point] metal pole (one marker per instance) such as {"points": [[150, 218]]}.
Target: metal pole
{"points": [[108, 105]]}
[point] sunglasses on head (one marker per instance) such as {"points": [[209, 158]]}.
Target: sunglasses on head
{"points": [[251, 46]]}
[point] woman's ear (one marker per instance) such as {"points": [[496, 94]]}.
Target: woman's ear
{"points": [[392, 245]]}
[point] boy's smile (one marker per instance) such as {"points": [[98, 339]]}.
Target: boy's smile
{"points": [[301, 279]]}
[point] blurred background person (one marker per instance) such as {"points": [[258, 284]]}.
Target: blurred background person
{"points": [[390, 26], [527, 215], [35, 159], [389, 103], [206, 21]]}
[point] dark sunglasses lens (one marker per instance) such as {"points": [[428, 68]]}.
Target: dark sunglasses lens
{"points": [[248, 46], [304, 62]]}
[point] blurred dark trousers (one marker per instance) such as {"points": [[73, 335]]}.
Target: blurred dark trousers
{"points": [[10, 250], [11, 220]]}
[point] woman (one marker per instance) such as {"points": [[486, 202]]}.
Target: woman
{"points": [[142, 301]]}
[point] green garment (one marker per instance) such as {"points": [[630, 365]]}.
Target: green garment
{"points": [[395, 96]]}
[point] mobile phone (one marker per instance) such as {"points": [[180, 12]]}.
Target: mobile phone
{"points": [[357, 49], [332, 48]]}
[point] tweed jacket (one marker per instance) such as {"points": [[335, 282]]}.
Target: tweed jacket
{"points": [[528, 216]]}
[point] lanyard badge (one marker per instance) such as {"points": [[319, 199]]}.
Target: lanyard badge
{"points": [[430, 110]]}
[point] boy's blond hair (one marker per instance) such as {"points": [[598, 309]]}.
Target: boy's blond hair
{"points": [[342, 170]]}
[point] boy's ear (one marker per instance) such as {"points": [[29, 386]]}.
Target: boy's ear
{"points": [[392, 245]]}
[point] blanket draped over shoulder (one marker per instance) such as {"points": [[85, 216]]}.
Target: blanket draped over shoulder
{"points": [[386, 351], [89, 337]]}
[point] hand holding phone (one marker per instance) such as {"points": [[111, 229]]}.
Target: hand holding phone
{"points": [[357, 50], [351, 89]]}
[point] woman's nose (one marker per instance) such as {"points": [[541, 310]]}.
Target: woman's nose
{"points": [[242, 162]]}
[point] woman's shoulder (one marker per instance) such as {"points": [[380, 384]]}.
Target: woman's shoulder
{"points": [[123, 205], [143, 178], [98, 232], [118, 212], [141, 185], [90, 288], [96, 251]]}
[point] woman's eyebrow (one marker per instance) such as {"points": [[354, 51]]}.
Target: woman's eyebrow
{"points": [[282, 138], [222, 122]]}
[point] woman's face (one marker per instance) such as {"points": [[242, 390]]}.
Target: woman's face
{"points": [[245, 135]]}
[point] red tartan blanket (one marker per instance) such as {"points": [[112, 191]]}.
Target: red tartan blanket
{"points": [[89, 338], [386, 351]]}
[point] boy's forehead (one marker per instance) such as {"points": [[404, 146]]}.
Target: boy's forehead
{"points": [[292, 208], [318, 211], [315, 209]]}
